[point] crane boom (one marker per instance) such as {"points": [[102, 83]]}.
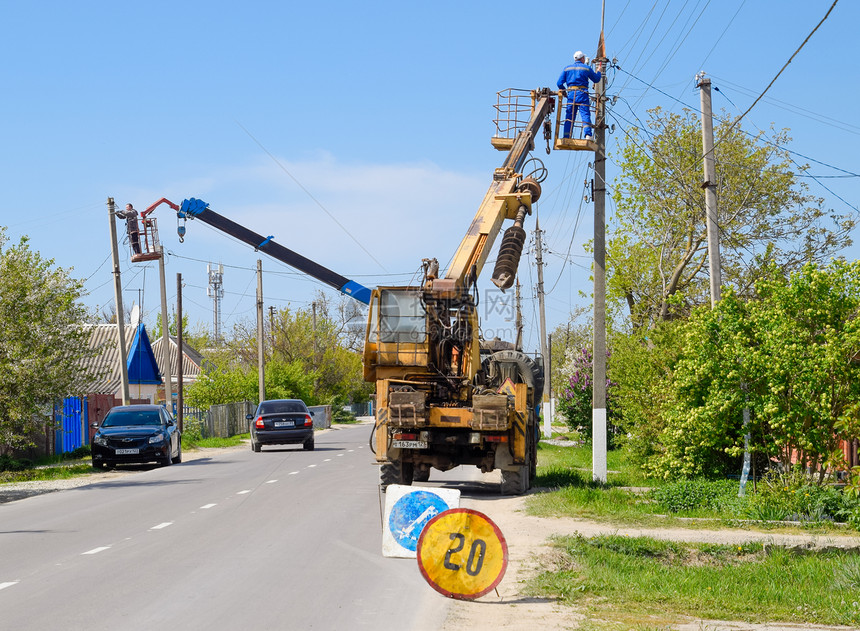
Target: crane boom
{"points": [[198, 209]]}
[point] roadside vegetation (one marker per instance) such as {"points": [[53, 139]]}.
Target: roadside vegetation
{"points": [[639, 582]]}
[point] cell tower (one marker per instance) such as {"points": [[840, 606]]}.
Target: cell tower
{"points": [[216, 292]]}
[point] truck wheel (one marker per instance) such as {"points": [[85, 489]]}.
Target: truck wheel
{"points": [[395, 472], [515, 481], [421, 473]]}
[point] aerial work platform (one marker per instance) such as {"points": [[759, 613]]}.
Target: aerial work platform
{"points": [[514, 107]]}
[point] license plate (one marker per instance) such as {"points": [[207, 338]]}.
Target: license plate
{"points": [[409, 444], [284, 423], [127, 452]]}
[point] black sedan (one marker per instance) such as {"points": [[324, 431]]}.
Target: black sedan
{"points": [[136, 434], [282, 422]]}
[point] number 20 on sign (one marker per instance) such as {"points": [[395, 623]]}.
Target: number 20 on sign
{"points": [[462, 554]]}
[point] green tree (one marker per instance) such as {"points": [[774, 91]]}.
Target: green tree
{"points": [[42, 341], [789, 356], [224, 383], [657, 255]]}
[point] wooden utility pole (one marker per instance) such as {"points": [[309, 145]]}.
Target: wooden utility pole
{"points": [[519, 321], [165, 334], [180, 353], [547, 420], [117, 295], [710, 186], [598, 405], [261, 360]]}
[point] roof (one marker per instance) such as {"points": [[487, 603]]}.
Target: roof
{"points": [[141, 360], [192, 361]]}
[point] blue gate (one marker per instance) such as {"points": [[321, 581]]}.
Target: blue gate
{"points": [[71, 416]]}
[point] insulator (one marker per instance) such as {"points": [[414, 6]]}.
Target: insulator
{"points": [[509, 257]]}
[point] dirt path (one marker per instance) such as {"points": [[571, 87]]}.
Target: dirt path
{"points": [[527, 538]]}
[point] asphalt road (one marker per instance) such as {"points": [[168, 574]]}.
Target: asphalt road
{"points": [[283, 539]]}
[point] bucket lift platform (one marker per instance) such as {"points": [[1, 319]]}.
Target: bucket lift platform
{"points": [[514, 108], [150, 247]]}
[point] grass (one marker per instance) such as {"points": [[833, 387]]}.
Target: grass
{"points": [[57, 471], [624, 579], [215, 442]]}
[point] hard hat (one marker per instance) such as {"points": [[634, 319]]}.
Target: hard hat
{"points": [[579, 55]]}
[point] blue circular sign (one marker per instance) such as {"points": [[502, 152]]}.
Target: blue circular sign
{"points": [[411, 513]]}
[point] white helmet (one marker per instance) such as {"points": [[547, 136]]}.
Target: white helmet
{"points": [[578, 55]]}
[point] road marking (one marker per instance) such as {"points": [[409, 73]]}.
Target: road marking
{"points": [[208, 506], [243, 492], [327, 460], [164, 524], [9, 584], [270, 481], [340, 455], [293, 472], [349, 451], [96, 550]]}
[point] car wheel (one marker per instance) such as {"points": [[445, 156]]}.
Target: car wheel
{"points": [[99, 465], [308, 445], [167, 460], [178, 458], [255, 446]]}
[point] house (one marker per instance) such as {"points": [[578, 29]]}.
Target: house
{"points": [[74, 416]]}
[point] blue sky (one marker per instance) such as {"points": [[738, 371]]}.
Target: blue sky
{"points": [[378, 115]]}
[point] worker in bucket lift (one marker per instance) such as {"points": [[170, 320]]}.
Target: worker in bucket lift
{"points": [[130, 216], [574, 78]]}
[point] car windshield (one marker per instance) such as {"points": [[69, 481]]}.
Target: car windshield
{"points": [[124, 418], [277, 407]]}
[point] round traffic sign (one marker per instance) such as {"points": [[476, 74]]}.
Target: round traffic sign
{"points": [[462, 554]]}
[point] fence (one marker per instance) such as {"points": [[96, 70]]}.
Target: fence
{"points": [[227, 419]]}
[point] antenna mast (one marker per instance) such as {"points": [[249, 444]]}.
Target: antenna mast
{"points": [[216, 292]]}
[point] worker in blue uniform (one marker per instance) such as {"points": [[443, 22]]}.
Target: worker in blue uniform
{"points": [[574, 79]]}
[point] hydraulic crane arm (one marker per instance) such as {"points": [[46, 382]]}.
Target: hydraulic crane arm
{"points": [[507, 198], [198, 209]]}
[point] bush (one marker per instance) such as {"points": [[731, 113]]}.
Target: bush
{"points": [[9, 463], [697, 494], [798, 496]]}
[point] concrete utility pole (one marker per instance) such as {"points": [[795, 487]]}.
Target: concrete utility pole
{"points": [[165, 334], [710, 186], [314, 311], [180, 401], [598, 405], [261, 360], [547, 416], [117, 295]]}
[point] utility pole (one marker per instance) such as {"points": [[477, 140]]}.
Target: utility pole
{"points": [[117, 295], [180, 401], [165, 334], [316, 378], [261, 361], [710, 187], [598, 405], [519, 321], [547, 421], [272, 328]]}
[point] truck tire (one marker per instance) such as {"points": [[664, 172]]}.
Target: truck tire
{"points": [[395, 472], [515, 481], [421, 473]]}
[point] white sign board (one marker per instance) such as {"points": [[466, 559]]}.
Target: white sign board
{"points": [[407, 511]]}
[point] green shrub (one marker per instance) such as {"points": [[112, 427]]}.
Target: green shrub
{"points": [[9, 463], [696, 494]]}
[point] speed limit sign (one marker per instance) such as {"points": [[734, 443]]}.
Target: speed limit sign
{"points": [[462, 554]]}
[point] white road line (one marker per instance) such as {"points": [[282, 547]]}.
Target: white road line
{"points": [[208, 506], [327, 460], [163, 524], [340, 455], [311, 466], [293, 472], [270, 481], [9, 584], [349, 451], [96, 550], [243, 492]]}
